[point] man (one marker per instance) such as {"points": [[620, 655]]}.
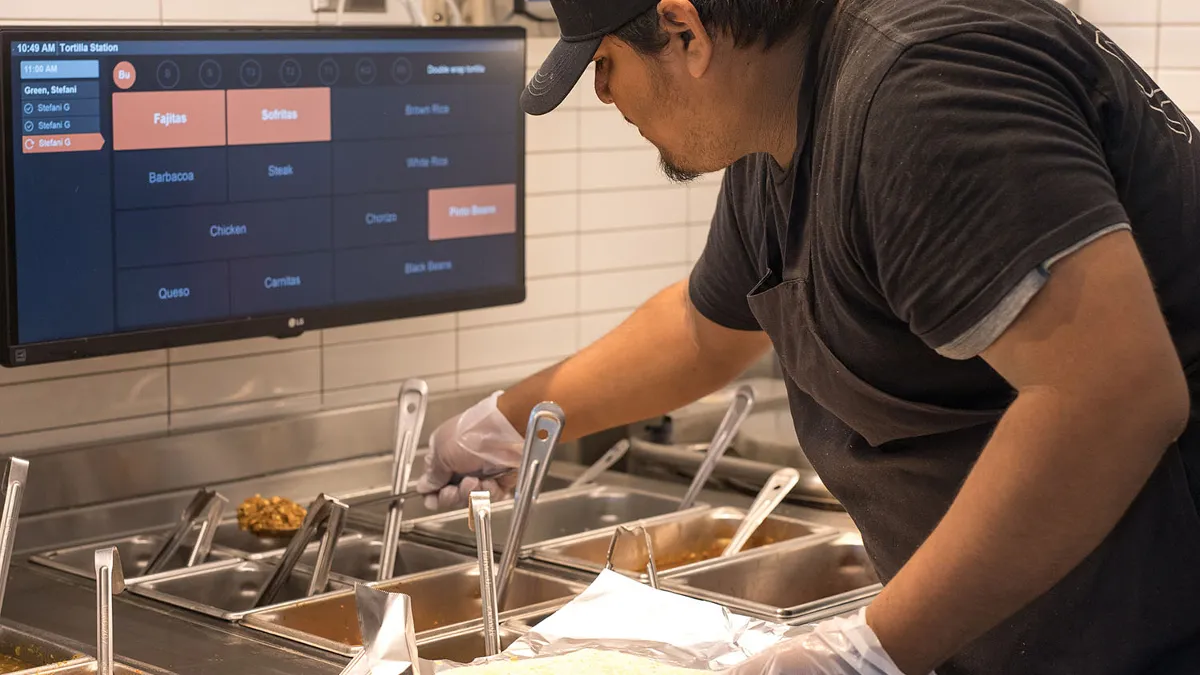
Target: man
{"points": [[971, 230]]}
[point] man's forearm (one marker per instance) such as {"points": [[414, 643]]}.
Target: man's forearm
{"points": [[661, 357], [1059, 472]]}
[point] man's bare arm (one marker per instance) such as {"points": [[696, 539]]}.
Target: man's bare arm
{"points": [[1101, 395], [663, 356]]}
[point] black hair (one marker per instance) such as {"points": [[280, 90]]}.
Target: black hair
{"points": [[764, 23]]}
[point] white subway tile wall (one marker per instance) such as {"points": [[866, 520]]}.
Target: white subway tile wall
{"points": [[245, 379], [605, 232]]}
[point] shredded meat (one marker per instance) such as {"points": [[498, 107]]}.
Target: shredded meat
{"points": [[712, 550], [12, 664], [277, 514]]}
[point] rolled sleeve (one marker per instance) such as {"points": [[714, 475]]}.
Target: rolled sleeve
{"points": [[979, 167]]}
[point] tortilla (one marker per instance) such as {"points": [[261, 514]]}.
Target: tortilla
{"points": [[584, 662]]}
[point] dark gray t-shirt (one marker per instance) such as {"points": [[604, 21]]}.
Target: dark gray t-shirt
{"points": [[1003, 135], [958, 149]]}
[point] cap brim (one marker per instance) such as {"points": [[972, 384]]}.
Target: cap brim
{"points": [[558, 75]]}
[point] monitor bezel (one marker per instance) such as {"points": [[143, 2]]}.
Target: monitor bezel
{"points": [[283, 325]]}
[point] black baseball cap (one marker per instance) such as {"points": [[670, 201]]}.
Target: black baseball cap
{"points": [[583, 25]]}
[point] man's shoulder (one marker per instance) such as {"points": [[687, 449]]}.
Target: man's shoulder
{"points": [[875, 37], [906, 58], [905, 23]]}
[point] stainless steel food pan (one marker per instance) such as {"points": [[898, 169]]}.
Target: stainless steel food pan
{"points": [[29, 651], [681, 543], [442, 601], [80, 667], [358, 559], [463, 646], [371, 518], [26, 652], [787, 582], [226, 591], [558, 515], [229, 538], [136, 552]]}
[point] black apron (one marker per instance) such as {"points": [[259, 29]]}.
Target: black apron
{"points": [[1133, 606]]}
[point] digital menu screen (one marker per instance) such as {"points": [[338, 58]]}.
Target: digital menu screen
{"points": [[169, 187]]}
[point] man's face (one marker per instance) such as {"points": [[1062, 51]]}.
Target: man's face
{"points": [[667, 105]]}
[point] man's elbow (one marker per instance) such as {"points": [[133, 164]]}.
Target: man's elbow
{"points": [[1178, 411], [1160, 398]]}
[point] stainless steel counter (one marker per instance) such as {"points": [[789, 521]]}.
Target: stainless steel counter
{"points": [[170, 639], [832, 518], [79, 496], [187, 643]]}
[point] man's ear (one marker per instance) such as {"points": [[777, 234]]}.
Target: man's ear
{"points": [[687, 34]]}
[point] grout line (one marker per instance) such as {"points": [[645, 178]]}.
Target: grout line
{"points": [[78, 425], [544, 317], [579, 232], [321, 368], [390, 338], [626, 270], [552, 235], [249, 355], [528, 362], [646, 149], [712, 183], [458, 332], [385, 383], [257, 401], [627, 229], [516, 322], [170, 398], [1158, 40], [537, 365], [81, 376]]}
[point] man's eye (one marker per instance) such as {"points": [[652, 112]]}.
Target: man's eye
{"points": [[601, 63]]}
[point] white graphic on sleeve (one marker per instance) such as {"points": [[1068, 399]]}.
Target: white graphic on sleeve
{"points": [[1177, 122]]}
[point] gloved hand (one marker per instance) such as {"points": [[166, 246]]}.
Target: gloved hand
{"points": [[839, 646], [478, 442]]}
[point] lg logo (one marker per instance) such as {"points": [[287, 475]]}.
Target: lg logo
{"points": [[296, 322]]}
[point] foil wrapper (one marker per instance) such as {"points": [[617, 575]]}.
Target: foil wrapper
{"points": [[619, 614], [389, 640]]}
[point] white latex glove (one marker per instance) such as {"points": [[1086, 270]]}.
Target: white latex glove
{"points": [[839, 646], [480, 441]]}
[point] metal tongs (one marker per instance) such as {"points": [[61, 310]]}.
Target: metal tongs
{"points": [[607, 461], [110, 581], [481, 523], [651, 566], [545, 426], [324, 511], [769, 498], [206, 507], [739, 409], [16, 474], [410, 418]]}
